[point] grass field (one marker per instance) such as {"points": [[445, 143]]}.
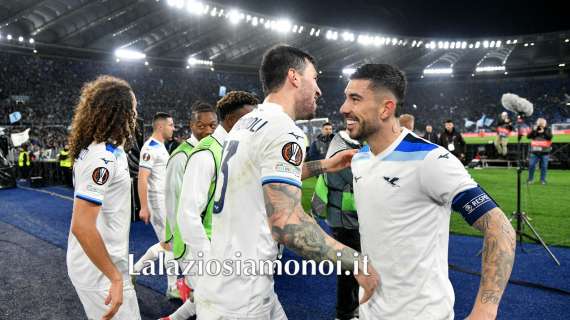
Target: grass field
{"points": [[547, 205], [559, 138]]}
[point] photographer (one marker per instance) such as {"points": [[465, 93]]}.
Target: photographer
{"points": [[504, 128], [540, 147], [452, 140]]}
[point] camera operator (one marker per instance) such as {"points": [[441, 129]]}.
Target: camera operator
{"points": [[504, 128], [540, 147], [452, 140]]}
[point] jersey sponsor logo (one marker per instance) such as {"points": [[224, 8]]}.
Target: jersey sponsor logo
{"points": [[296, 136], [444, 156], [146, 156], [106, 161], [292, 153], [286, 168], [100, 175], [392, 181]]}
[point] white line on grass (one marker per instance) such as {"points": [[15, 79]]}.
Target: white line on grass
{"points": [[48, 192]]}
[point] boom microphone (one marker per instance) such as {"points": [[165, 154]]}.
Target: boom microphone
{"points": [[516, 104]]}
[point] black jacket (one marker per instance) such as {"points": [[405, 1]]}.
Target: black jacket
{"points": [[455, 138], [319, 147], [431, 137], [545, 135]]}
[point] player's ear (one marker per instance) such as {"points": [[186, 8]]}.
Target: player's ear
{"points": [[388, 109], [294, 77]]}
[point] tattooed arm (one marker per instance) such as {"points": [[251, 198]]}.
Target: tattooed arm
{"points": [[291, 226], [339, 161], [498, 258]]}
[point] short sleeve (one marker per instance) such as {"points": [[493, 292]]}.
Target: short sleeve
{"points": [[443, 176], [93, 176], [147, 158], [282, 159]]}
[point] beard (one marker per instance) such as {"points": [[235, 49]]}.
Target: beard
{"points": [[305, 108]]}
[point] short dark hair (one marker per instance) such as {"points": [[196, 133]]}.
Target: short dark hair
{"points": [[383, 76], [160, 116], [276, 63], [326, 124], [200, 107], [234, 101], [448, 121]]}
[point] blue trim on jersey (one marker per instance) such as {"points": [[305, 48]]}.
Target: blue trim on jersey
{"points": [[89, 199], [472, 204], [412, 144], [153, 143], [275, 179], [406, 156], [111, 148], [365, 148]]}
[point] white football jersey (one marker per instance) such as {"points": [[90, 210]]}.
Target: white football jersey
{"points": [[265, 146], [403, 199], [154, 157], [101, 176]]}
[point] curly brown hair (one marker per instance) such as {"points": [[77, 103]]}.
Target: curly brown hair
{"points": [[233, 101], [105, 113]]}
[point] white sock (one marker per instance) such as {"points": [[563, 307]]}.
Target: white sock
{"points": [[185, 311], [150, 254], [171, 280]]}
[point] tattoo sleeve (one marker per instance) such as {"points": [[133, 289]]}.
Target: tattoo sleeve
{"points": [[291, 226], [497, 257], [311, 169]]}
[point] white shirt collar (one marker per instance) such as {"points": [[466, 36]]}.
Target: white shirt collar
{"points": [[193, 140], [220, 134]]}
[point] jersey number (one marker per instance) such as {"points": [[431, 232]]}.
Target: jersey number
{"points": [[230, 149]]}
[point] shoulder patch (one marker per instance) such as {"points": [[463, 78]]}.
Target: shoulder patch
{"points": [[100, 175], [292, 153]]}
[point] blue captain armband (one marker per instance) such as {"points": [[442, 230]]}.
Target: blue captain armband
{"points": [[472, 204]]}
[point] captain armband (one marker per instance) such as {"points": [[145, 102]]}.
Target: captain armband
{"points": [[472, 204]]}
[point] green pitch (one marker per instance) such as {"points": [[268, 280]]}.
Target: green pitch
{"points": [[547, 205], [559, 138]]}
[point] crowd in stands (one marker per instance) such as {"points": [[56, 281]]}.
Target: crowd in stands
{"points": [[45, 91]]}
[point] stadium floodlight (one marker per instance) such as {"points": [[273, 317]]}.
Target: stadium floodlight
{"points": [[268, 24], [440, 45], [452, 46], [254, 21], [35, 51], [20, 39], [248, 18], [532, 44], [194, 62], [195, 7], [414, 43], [348, 36], [492, 44], [562, 65], [486, 44], [282, 25], [446, 45], [146, 63], [457, 44], [394, 41], [214, 12], [221, 13], [318, 33], [470, 46], [515, 41], [234, 16], [301, 28], [432, 45], [567, 40], [506, 73], [526, 44], [420, 43], [477, 44], [463, 45], [508, 41], [364, 39], [32, 41], [312, 32], [128, 54], [490, 69], [348, 71], [438, 71], [295, 28]]}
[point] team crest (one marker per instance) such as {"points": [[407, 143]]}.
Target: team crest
{"points": [[146, 156], [292, 153], [100, 175]]}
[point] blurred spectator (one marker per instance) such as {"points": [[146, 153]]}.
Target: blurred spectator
{"points": [[540, 147], [430, 135], [452, 140], [320, 145]]}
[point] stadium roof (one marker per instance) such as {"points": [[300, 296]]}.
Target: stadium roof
{"points": [[417, 36]]}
